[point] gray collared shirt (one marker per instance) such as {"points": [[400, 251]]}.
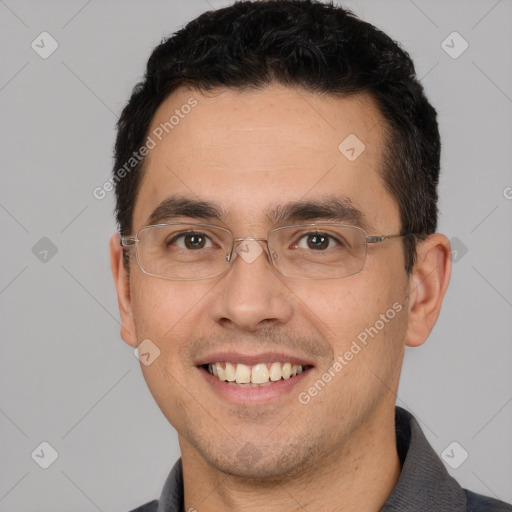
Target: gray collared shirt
{"points": [[424, 484]]}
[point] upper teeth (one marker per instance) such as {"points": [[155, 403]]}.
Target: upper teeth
{"points": [[257, 374]]}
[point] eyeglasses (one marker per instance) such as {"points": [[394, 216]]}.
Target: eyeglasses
{"points": [[189, 252]]}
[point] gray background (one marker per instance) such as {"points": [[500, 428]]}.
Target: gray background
{"points": [[67, 378]]}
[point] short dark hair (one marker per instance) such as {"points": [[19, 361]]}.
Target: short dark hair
{"points": [[298, 43]]}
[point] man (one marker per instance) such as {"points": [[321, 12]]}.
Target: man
{"points": [[276, 176]]}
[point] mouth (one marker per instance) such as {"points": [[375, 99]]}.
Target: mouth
{"points": [[257, 375], [253, 379]]}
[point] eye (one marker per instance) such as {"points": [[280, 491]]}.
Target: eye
{"points": [[317, 241], [190, 240]]}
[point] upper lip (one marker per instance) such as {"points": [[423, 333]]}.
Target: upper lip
{"points": [[250, 360]]}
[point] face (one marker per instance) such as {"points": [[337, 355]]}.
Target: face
{"points": [[249, 153]]}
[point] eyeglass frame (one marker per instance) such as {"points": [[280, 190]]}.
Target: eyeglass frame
{"points": [[128, 242]]}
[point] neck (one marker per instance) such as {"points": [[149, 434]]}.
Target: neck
{"points": [[359, 476]]}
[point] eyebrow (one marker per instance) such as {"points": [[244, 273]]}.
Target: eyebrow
{"points": [[334, 208]]}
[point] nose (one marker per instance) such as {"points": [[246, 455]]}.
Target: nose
{"points": [[252, 294]]}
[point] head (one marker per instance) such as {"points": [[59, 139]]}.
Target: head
{"points": [[246, 110]]}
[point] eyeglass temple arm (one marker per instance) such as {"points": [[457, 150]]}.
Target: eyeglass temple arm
{"points": [[380, 238]]}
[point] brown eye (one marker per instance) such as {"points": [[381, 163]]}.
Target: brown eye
{"points": [[194, 241], [191, 241], [318, 241]]}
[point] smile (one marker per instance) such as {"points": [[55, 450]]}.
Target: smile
{"points": [[261, 374]]}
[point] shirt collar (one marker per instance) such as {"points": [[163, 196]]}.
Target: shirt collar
{"points": [[172, 498], [424, 483]]}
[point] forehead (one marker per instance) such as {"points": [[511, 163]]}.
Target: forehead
{"points": [[251, 150]]}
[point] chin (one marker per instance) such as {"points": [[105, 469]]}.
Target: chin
{"points": [[262, 462]]}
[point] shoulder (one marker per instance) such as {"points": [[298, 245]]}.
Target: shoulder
{"points": [[479, 503], [148, 507]]}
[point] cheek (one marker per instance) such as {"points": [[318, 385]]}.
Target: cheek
{"points": [[365, 325], [374, 325], [164, 310], [358, 307]]}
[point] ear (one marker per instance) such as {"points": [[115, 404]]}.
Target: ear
{"points": [[122, 283], [427, 286]]}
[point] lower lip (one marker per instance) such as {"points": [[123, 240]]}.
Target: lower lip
{"points": [[245, 395]]}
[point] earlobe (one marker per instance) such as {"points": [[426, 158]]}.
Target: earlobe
{"points": [[427, 287], [122, 285]]}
